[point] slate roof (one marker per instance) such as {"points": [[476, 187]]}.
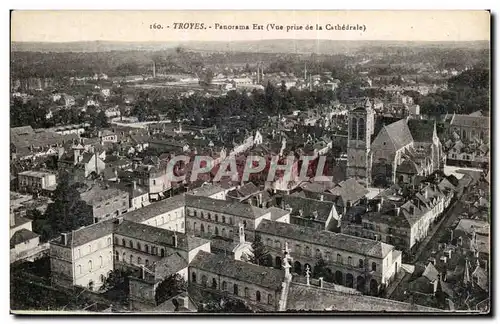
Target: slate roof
{"points": [[470, 121], [244, 191], [231, 208], [399, 133], [242, 271], [277, 213], [164, 206], [311, 208], [169, 265], [88, 233], [21, 236], [422, 130], [206, 190], [482, 278], [303, 297], [333, 240], [159, 236], [20, 220], [349, 190]]}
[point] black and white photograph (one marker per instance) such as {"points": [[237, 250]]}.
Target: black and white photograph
{"points": [[250, 162]]}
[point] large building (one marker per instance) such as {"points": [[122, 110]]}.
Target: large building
{"points": [[376, 158], [33, 181]]}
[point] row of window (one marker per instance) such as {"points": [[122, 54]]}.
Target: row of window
{"points": [[130, 259], [215, 217], [99, 245], [90, 264], [235, 288], [138, 246], [162, 220], [209, 230], [318, 254]]}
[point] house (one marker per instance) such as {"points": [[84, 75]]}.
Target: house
{"points": [[105, 202], [36, 181], [321, 215]]}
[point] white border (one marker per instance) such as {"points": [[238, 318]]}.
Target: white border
{"points": [[188, 4]]}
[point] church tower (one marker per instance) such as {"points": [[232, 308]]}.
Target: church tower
{"points": [[361, 128]]}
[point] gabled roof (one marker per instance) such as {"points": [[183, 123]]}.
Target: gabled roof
{"points": [[310, 208], [421, 130], [22, 236], [242, 271], [399, 133], [430, 272], [470, 121], [329, 239], [232, 208]]}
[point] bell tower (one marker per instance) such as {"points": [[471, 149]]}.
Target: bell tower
{"points": [[361, 128]]}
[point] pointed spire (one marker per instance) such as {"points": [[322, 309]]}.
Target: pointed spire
{"points": [[308, 274]]}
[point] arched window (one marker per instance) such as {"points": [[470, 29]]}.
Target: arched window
{"points": [[223, 232], [247, 292], [308, 251], [209, 216], [374, 266], [318, 253], [195, 213], [224, 285], [339, 258], [214, 283], [162, 252], [123, 242], [209, 229], [361, 263], [139, 260], [464, 134], [230, 221], [146, 247], [109, 240], [193, 277], [139, 246], [223, 219], [90, 265], [90, 248], [202, 215], [163, 220], [277, 244], [349, 261], [235, 289], [354, 128], [117, 256], [79, 269], [270, 299], [194, 227], [204, 280], [100, 261], [217, 231], [361, 129], [131, 259], [216, 218], [202, 228], [257, 296], [147, 262], [102, 278], [124, 257], [130, 244], [244, 224]]}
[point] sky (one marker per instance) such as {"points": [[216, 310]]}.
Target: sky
{"points": [[131, 26]]}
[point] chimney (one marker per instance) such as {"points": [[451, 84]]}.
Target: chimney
{"points": [[174, 239], [12, 219], [485, 265], [143, 272], [134, 184], [379, 207], [64, 238], [321, 197], [301, 212], [242, 233], [451, 235], [397, 211], [76, 154], [320, 282], [118, 220]]}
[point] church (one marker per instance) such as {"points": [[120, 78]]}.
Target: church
{"points": [[382, 152]]}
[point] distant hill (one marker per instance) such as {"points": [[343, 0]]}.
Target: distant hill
{"points": [[261, 46]]}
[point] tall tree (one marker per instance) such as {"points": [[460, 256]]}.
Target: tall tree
{"points": [[170, 287], [260, 252]]}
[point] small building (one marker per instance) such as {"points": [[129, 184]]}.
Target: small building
{"points": [[36, 181]]}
